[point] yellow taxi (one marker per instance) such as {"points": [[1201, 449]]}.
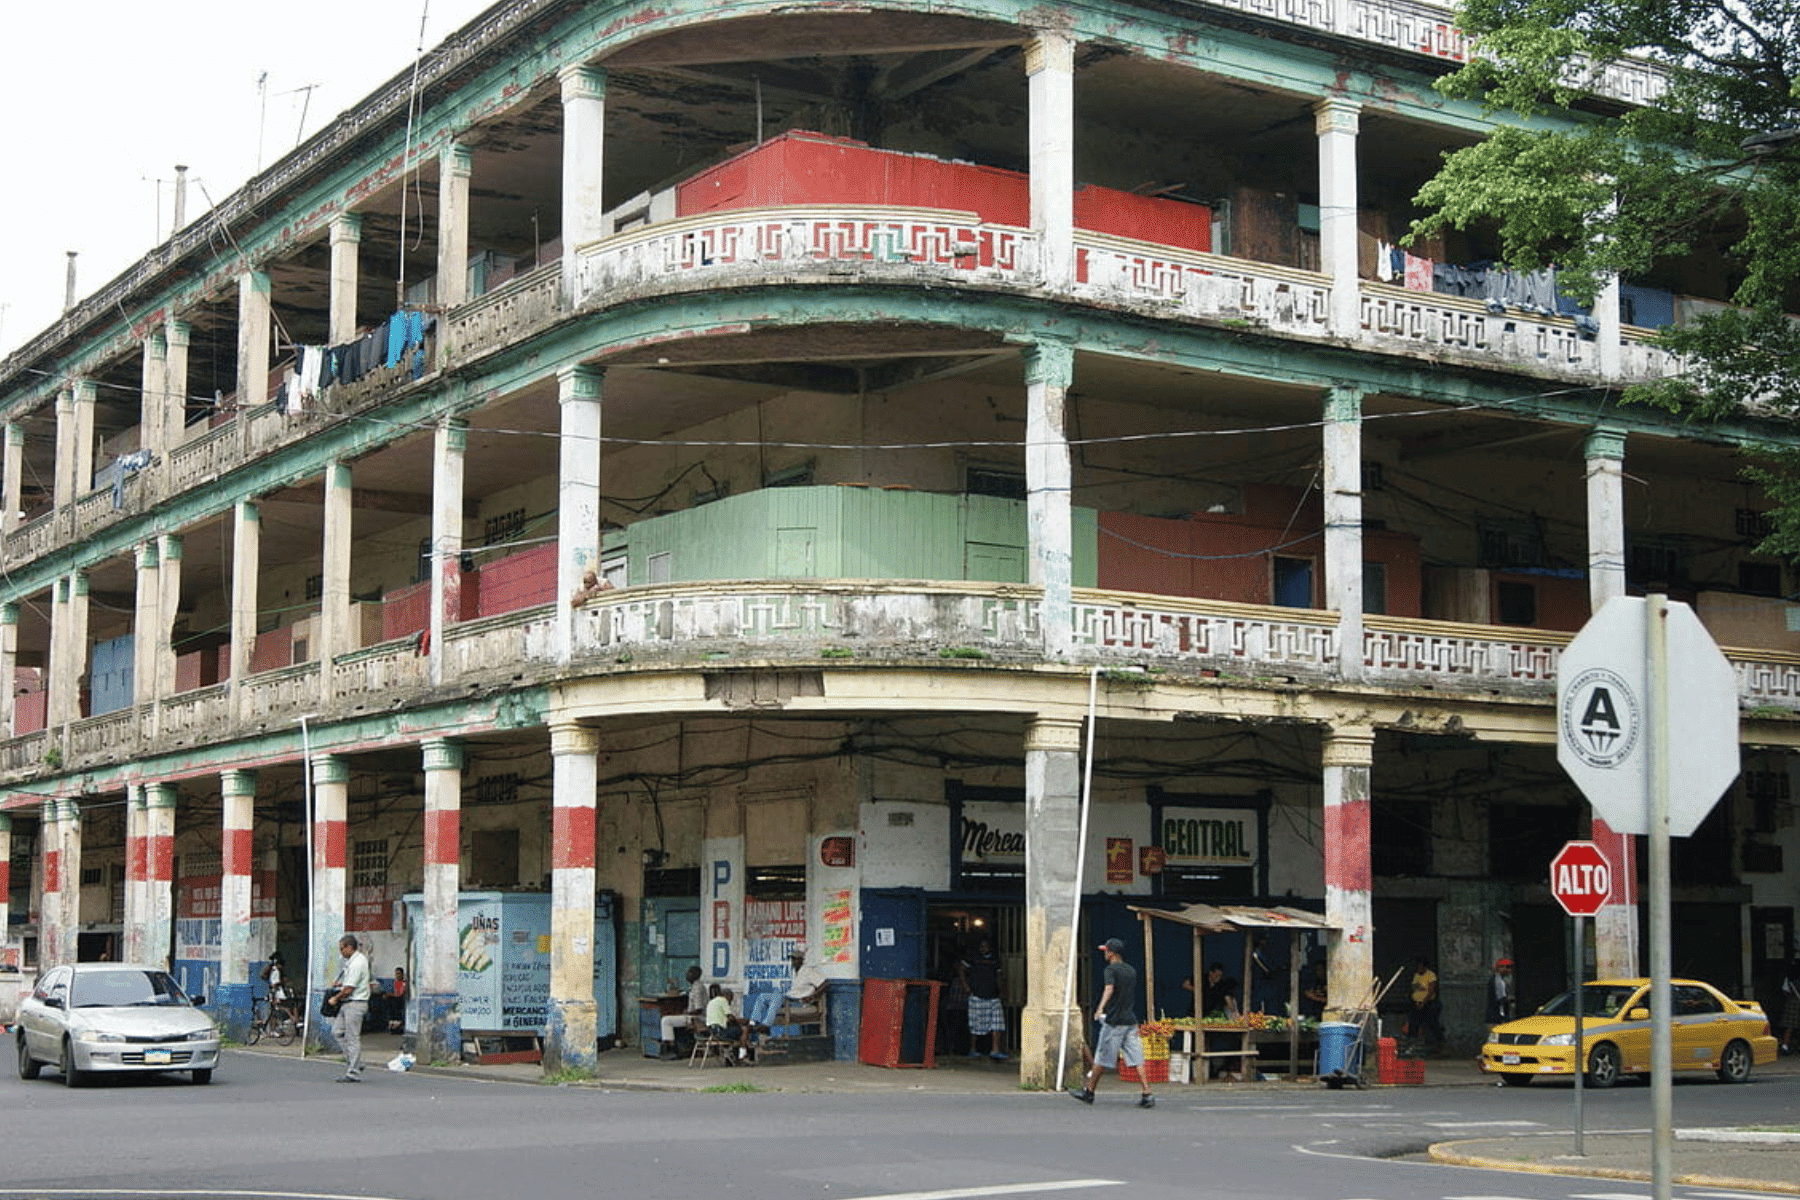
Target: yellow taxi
{"points": [[1709, 1032]]}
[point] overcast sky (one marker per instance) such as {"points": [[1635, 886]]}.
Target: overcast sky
{"points": [[103, 98]]}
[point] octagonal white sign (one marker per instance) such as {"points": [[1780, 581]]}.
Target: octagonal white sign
{"points": [[1603, 697]]}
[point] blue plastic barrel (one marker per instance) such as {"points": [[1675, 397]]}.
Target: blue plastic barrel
{"points": [[1336, 1039]]}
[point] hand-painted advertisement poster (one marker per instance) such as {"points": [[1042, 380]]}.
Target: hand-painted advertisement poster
{"points": [[503, 961]]}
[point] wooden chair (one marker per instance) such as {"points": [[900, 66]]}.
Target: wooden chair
{"points": [[710, 1043]]}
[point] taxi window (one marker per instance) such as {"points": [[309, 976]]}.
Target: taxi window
{"points": [[1692, 1001]]}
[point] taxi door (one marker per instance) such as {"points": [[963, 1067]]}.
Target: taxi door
{"points": [[1697, 1033], [1633, 1037]]}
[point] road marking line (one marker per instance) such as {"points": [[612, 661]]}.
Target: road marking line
{"points": [[998, 1189], [1607, 1196], [1479, 1124]]}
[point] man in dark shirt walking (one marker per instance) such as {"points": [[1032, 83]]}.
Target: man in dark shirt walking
{"points": [[1117, 1013]]}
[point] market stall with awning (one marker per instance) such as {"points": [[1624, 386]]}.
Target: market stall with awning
{"points": [[1202, 919]]}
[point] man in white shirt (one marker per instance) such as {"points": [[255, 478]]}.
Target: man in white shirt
{"points": [[352, 991], [808, 985]]}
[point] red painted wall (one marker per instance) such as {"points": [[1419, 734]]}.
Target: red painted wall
{"points": [[517, 581], [1226, 556], [811, 168]]}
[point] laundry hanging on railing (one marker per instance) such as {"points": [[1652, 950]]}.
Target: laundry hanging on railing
{"points": [[399, 341]]}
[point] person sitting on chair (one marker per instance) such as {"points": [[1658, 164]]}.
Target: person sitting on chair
{"points": [[675, 1023], [722, 1025], [807, 987]]}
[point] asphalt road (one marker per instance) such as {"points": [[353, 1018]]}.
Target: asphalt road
{"points": [[272, 1126]]}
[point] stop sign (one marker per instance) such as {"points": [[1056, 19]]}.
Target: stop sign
{"points": [[1580, 878]]}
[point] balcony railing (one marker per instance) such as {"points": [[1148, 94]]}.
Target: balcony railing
{"points": [[510, 312], [765, 245], [772, 621]]}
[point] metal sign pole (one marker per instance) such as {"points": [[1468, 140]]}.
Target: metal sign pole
{"points": [[1662, 1096], [1578, 974]]}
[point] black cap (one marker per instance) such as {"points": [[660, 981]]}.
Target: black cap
{"points": [[1116, 945]]}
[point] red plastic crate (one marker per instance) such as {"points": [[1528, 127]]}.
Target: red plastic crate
{"points": [[1402, 1070], [1157, 1069]]}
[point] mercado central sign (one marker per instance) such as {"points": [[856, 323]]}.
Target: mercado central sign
{"points": [[1201, 837]]}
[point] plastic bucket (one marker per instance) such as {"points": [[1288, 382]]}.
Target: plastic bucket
{"points": [[1336, 1039]]}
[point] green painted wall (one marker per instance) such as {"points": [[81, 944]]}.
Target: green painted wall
{"points": [[846, 533]]}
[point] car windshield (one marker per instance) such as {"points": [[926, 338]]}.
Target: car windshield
{"points": [[1597, 1000], [125, 989]]}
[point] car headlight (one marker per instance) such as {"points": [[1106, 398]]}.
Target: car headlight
{"points": [[98, 1036], [202, 1035], [1558, 1039]]}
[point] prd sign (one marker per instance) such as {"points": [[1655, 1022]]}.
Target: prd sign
{"points": [[1580, 879]]}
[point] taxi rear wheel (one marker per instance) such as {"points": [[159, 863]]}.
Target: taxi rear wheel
{"points": [[28, 1066], [1603, 1066], [1735, 1063]]}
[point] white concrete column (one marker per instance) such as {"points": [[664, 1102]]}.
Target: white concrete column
{"points": [[447, 456], [578, 494], [79, 643], [246, 552], [1335, 121], [62, 486], [83, 481], [1349, 755], [59, 910], [330, 869], [145, 623], [56, 660], [172, 412], [253, 340], [1049, 370], [436, 994], [9, 669], [150, 394], [1342, 437], [1050, 94], [137, 878], [335, 633], [159, 862], [1616, 924], [572, 1044], [455, 167], [162, 657], [13, 467], [583, 156], [346, 238], [237, 853], [1052, 910]]}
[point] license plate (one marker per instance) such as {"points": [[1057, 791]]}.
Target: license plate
{"points": [[1511, 1060], [157, 1058]]}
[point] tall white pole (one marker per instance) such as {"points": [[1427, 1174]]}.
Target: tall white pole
{"points": [[1662, 1096]]}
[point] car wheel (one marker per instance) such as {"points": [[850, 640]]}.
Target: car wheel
{"points": [[28, 1066], [1735, 1063], [1603, 1066], [202, 1074], [1515, 1080], [71, 1076]]}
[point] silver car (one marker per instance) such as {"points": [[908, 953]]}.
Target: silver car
{"points": [[94, 1017]]}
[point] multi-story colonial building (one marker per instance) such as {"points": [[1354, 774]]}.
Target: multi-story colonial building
{"points": [[678, 483]]}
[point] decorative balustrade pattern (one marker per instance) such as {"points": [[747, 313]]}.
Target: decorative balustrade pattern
{"points": [[1240, 639], [96, 737], [1439, 653], [504, 315], [1204, 285], [880, 242], [282, 692], [191, 715], [394, 666], [205, 458], [25, 753], [1434, 322], [31, 539]]}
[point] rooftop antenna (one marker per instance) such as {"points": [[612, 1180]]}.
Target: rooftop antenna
{"points": [[305, 92], [262, 113], [412, 102]]}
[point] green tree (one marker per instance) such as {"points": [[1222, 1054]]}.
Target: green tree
{"points": [[1711, 167]]}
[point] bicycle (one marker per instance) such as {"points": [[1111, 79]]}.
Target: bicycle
{"points": [[271, 1019]]}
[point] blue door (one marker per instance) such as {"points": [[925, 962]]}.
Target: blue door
{"points": [[893, 934]]}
